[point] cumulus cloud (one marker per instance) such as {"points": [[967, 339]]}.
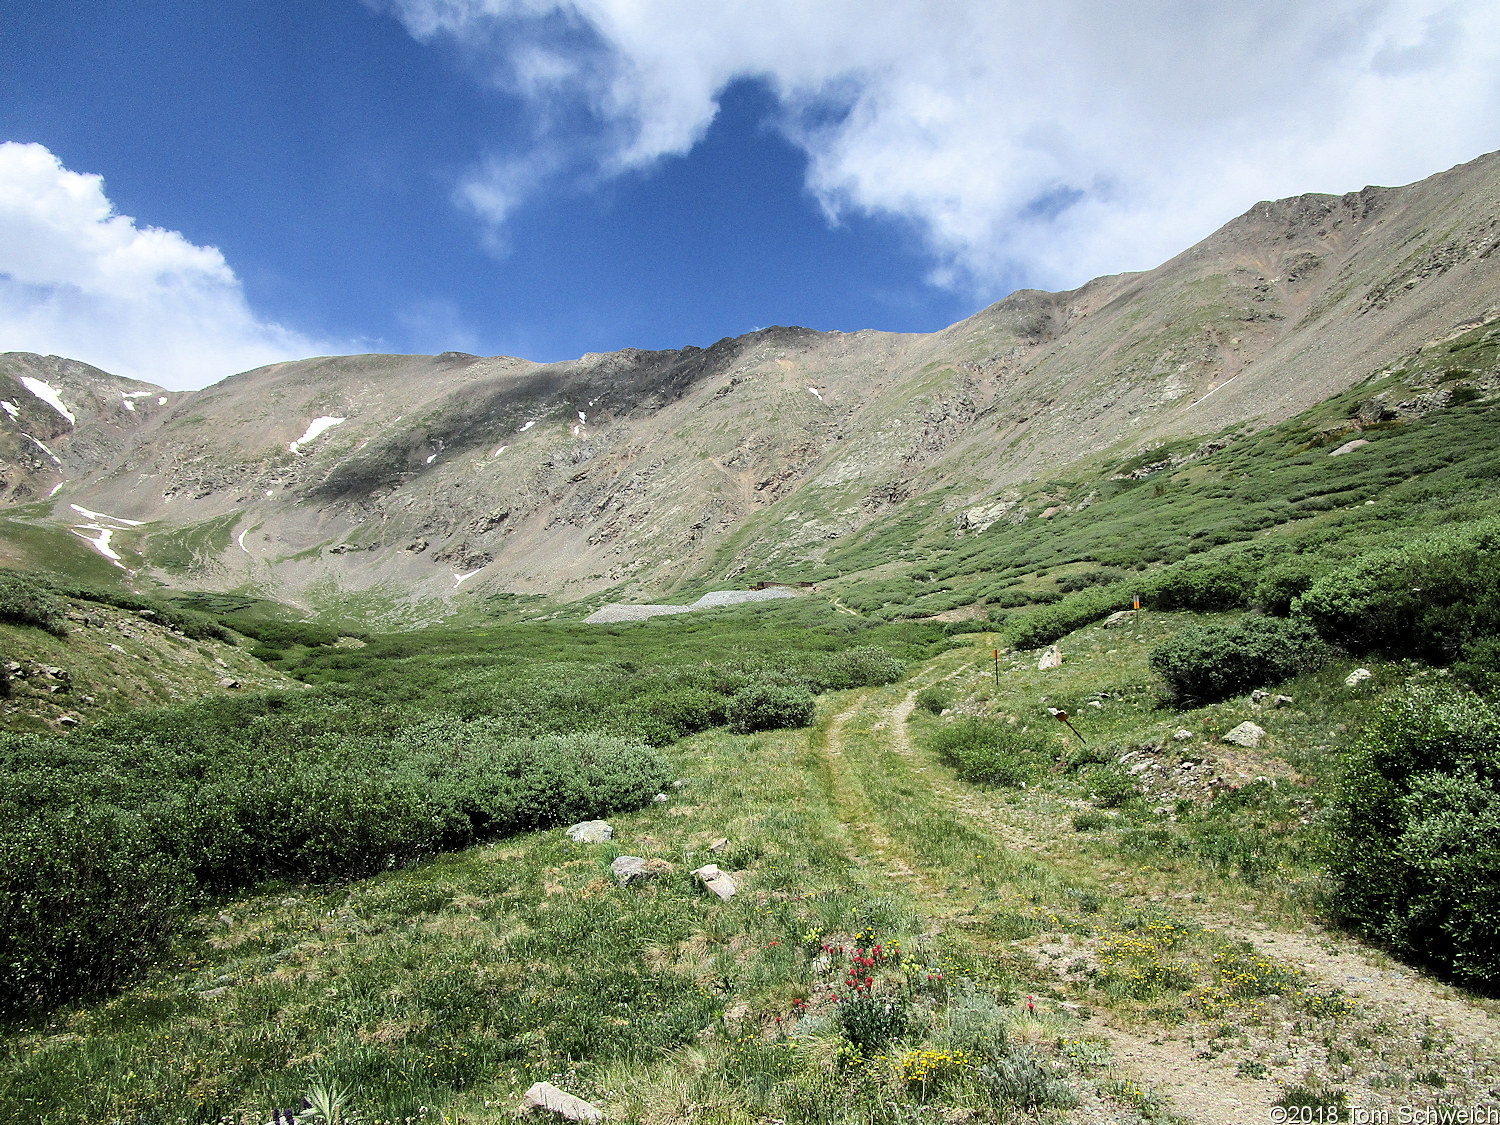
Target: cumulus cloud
{"points": [[79, 280], [1049, 142]]}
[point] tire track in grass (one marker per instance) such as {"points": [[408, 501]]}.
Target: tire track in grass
{"points": [[886, 818], [1396, 1003]]}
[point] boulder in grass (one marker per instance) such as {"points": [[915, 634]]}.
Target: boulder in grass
{"points": [[545, 1096], [1246, 734], [629, 869], [1357, 677], [716, 881], [1052, 658], [590, 832]]}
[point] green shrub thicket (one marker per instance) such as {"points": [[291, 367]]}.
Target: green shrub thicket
{"points": [[25, 601], [1282, 584], [1207, 663], [1415, 840], [199, 626], [1432, 598], [108, 835], [992, 751], [1049, 623], [1082, 580], [862, 666], [770, 706]]}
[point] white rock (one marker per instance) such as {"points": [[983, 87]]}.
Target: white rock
{"points": [[1246, 734], [590, 832], [1349, 446], [1182, 736], [1118, 617], [719, 845], [544, 1095], [659, 799], [1052, 658], [1357, 677]]}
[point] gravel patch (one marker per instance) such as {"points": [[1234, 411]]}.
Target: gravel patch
{"points": [[616, 612]]}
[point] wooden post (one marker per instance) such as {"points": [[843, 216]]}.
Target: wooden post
{"points": [[997, 669]]}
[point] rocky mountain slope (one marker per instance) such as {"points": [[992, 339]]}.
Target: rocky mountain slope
{"points": [[645, 472]]}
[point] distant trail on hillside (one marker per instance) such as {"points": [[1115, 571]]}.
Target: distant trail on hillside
{"points": [[616, 612]]}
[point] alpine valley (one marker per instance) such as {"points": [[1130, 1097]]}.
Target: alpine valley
{"points": [[762, 457]]}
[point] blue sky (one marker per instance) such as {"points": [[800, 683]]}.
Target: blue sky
{"points": [[546, 179]]}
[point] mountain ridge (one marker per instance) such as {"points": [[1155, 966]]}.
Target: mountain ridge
{"points": [[644, 472]]}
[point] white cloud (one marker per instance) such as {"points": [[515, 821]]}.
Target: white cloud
{"points": [[1048, 141], [79, 280]]}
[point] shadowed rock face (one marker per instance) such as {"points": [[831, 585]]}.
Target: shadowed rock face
{"points": [[639, 470]]}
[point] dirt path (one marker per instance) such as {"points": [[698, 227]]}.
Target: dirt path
{"points": [[1397, 1005]]}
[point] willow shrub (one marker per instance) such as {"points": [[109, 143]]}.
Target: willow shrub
{"points": [[1415, 840], [1207, 663], [108, 838], [1431, 598]]}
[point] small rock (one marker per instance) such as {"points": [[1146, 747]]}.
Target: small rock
{"points": [[1357, 677], [1282, 701], [116, 648], [719, 845], [1118, 617], [659, 799], [1052, 658], [716, 881], [228, 682], [67, 721], [1349, 446], [212, 993], [1246, 734], [629, 869], [1095, 703], [590, 832], [1258, 697], [1182, 735], [544, 1095], [680, 783]]}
